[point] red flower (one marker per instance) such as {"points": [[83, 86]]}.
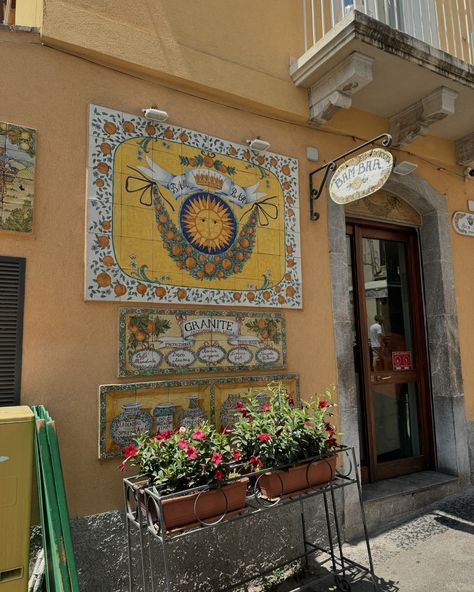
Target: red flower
{"points": [[332, 442], [329, 428], [236, 454], [323, 404], [192, 452], [130, 450], [241, 407], [121, 467], [216, 458], [291, 401], [266, 407], [164, 435], [264, 437], [309, 424], [255, 461], [183, 444], [199, 435], [219, 475]]}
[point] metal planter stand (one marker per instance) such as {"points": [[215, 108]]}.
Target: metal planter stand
{"points": [[144, 515]]}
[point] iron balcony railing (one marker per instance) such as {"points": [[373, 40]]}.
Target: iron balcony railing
{"points": [[445, 24]]}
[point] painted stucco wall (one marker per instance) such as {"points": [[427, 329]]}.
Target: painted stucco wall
{"points": [[70, 346]]}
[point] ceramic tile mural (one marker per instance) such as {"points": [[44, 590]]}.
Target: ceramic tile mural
{"points": [[17, 176], [156, 341], [126, 409], [177, 216]]}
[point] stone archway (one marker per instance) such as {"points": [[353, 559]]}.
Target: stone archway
{"points": [[441, 323]]}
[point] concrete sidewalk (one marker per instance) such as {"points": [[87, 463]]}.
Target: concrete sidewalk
{"points": [[433, 552]]}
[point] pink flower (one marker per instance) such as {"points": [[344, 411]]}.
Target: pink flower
{"points": [[216, 459], [264, 437], [182, 430], [266, 407], [199, 435], [323, 404], [183, 444], [219, 475], [255, 461], [236, 454], [309, 424], [130, 450], [192, 452]]}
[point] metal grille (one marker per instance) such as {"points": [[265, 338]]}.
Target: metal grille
{"points": [[12, 289]]}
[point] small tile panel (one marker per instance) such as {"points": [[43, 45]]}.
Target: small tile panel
{"points": [[126, 409]]}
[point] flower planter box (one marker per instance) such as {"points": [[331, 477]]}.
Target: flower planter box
{"points": [[203, 506], [301, 477]]}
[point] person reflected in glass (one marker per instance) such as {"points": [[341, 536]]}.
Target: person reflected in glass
{"points": [[377, 345]]}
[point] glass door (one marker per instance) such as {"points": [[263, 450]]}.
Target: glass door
{"points": [[389, 351]]}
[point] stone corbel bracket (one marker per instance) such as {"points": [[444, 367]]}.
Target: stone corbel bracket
{"points": [[335, 89], [464, 149], [416, 119]]}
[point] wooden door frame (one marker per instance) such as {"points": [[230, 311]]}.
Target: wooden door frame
{"points": [[359, 229]]}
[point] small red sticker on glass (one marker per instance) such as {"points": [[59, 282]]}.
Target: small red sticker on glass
{"points": [[401, 360]]}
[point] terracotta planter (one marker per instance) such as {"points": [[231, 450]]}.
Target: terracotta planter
{"points": [[206, 506], [298, 478]]}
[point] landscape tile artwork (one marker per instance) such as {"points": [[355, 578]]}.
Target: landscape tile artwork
{"points": [[177, 216], [157, 341], [17, 176], [126, 409]]}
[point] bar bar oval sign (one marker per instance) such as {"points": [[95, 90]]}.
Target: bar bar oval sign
{"points": [[360, 176]]}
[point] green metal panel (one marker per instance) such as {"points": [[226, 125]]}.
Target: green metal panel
{"points": [[61, 574]]}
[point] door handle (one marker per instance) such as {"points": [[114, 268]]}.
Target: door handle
{"points": [[380, 378]]}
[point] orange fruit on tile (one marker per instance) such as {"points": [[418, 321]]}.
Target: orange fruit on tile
{"points": [[181, 293], [183, 136], [208, 161], [103, 168], [260, 159], [105, 148], [226, 264], [128, 127], [285, 169], [141, 289], [150, 129], [103, 241], [160, 292], [108, 260], [266, 295], [99, 182], [106, 225], [250, 296], [237, 296], [110, 128], [244, 243], [168, 133], [177, 250], [232, 151], [210, 268], [281, 299], [290, 291], [120, 289], [190, 262], [103, 279]]}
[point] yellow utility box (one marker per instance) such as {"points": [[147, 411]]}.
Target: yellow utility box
{"points": [[16, 471]]}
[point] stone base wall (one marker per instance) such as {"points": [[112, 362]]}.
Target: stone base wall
{"points": [[470, 441], [209, 560]]}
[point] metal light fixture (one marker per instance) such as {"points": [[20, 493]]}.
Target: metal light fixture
{"points": [[404, 167], [258, 145], [155, 114]]}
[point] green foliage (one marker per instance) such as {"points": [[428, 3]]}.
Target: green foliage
{"points": [[20, 219], [280, 433]]}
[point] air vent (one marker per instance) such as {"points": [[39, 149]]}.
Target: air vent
{"points": [[12, 290]]}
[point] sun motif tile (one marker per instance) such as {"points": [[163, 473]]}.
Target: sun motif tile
{"points": [[208, 215]]}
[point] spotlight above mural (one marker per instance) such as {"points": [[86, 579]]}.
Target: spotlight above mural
{"points": [[155, 114], [258, 145]]}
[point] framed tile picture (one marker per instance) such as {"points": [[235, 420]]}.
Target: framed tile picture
{"points": [[178, 216]]}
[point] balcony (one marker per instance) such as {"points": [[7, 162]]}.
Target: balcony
{"points": [[410, 61]]}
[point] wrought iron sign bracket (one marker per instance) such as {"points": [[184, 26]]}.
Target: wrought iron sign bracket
{"points": [[331, 166]]}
